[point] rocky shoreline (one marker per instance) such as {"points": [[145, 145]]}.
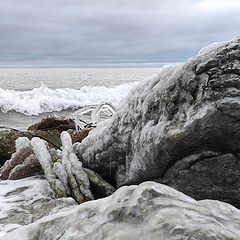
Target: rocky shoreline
{"points": [[178, 130], [48, 129]]}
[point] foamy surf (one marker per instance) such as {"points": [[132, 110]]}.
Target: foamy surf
{"points": [[45, 99]]}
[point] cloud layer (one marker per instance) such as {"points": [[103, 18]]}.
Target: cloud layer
{"points": [[94, 31]]}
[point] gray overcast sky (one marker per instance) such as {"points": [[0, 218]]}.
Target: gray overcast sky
{"points": [[52, 32]]}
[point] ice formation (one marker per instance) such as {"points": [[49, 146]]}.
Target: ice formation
{"points": [[22, 163], [74, 169], [148, 211], [98, 113], [25, 201], [22, 142], [184, 110], [66, 175]]}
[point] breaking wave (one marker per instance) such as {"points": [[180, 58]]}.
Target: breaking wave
{"points": [[45, 99]]}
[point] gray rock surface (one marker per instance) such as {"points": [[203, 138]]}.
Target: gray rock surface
{"points": [[206, 175], [148, 211], [183, 111]]}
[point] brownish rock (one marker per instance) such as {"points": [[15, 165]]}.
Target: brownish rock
{"points": [[53, 122], [16, 159], [7, 142], [9, 136], [29, 167], [79, 136]]}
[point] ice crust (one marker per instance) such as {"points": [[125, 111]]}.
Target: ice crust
{"points": [[24, 201], [146, 211]]}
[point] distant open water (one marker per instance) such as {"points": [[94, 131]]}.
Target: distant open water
{"points": [[27, 95]]}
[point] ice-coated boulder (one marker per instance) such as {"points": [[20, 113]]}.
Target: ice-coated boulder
{"points": [[183, 121], [26, 200], [148, 211]]}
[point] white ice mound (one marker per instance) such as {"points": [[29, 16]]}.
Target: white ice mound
{"points": [[147, 211], [44, 99], [25, 201]]}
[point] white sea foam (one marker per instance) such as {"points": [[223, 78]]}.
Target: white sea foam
{"points": [[44, 99]]}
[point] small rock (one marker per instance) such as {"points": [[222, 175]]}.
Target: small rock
{"points": [[53, 122]]}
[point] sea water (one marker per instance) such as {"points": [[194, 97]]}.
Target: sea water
{"points": [[29, 94]]}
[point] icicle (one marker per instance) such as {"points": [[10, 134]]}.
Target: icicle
{"points": [[44, 158], [104, 110]]}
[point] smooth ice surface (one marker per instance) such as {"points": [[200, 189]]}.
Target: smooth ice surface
{"points": [[24, 201], [146, 211]]}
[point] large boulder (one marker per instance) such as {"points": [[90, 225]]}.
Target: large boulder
{"points": [[148, 211], [189, 111]]}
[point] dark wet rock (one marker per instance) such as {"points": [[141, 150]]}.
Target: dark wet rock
{"points": [[99, 187], [206, 175], [78, 136], [183, 111], [16, 160], [51, 136], [7, 142], [53, 122], [48, 129], [29, 167], [9, 136]]}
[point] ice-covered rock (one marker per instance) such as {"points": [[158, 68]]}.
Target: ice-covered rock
{"points": [[65, 173], [78, 178], [182, 111], [26, 200], [49, 132], [23, 162], [148, 211], [7, 142]]}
